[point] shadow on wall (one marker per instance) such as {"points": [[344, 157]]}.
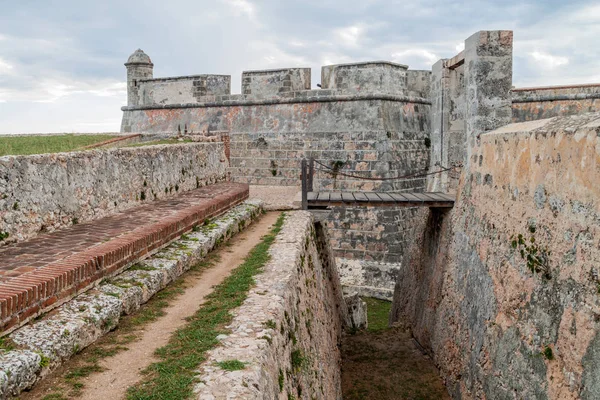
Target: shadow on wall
{"points": [[422, 263]]}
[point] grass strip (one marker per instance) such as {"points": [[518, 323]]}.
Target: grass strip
{"points": [[130, 329], [26, 145], [378, 313], [173, 376]]}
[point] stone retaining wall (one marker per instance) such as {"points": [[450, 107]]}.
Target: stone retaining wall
{"points": [[503, 289], [49, 191], [288, 329]]}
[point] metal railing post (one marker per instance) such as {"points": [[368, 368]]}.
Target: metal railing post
{"points": [[311, 173], [304, 185]]}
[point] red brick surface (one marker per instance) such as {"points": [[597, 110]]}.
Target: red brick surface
{"points": [[38, 274]]}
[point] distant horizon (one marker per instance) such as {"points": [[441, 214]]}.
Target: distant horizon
{"points": [[63, 71]]}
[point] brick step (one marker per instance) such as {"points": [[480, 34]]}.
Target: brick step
{"points": [[42, 273]]}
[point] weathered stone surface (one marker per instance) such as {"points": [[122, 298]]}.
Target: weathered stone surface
{"points": [[495, 323], [372, 76], [182, 89], [80, 322], [529, 104], [368, 278], [381, 139], [49, 191], [299, 294], [357, 312], [275, 81]]}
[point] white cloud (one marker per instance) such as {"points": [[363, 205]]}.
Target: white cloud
{"points": [[4, 66], [426, 55], [460, 47], [548, 61], [275, 57], [586, 14], [243, 7], [350, 36]]}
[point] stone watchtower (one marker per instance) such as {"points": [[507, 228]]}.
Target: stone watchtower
{"points": [[139, 66]]}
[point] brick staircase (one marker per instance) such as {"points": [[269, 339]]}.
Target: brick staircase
{"points": [[42, 273]]}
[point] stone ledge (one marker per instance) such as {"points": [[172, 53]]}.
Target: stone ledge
{"points": [[80, 322], [52, 284], [308, 96]]}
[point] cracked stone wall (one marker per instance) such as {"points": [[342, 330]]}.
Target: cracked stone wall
{"points": [[49, 191], [288, 330], [503, 289]]}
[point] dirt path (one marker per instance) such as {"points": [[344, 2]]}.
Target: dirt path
{"points": [[387, 365], [123, 370]]}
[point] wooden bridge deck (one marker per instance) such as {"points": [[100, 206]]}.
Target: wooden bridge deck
{"points": [[378, 199]]}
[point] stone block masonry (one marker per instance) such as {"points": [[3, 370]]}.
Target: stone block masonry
{"points": [[288, 329], [41, 193], [372, 116], [503, 289], [42, 273], [275, 81], [369, 244]]}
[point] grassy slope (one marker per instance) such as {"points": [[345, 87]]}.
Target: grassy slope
{"points": [[25, 145]]}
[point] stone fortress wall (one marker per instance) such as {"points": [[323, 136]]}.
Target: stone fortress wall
{"points": [[502, 290], [358, 120], [369, 119], [376, 119], [42, 193]]}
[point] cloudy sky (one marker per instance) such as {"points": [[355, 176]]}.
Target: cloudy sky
{"points": [[61, 61]]}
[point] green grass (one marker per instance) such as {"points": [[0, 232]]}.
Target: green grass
{"points": [[129, 330], [173, 376], [378, 313], [25, 145], [232, 365]]}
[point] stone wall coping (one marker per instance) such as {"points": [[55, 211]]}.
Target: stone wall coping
{"points": [[267, 71], [305, 96], [364, 63], [181, 78], [569, 125], [556, 97], [583, 85]]}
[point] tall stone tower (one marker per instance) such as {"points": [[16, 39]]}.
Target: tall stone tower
{"points": [[139, 66]]}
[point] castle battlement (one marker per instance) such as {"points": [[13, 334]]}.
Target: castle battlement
{"points": [[381, 80]]}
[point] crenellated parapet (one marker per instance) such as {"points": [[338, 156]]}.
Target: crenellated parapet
{"points": [[275, 81], [366, 77], [359, 81], [182, 89]]}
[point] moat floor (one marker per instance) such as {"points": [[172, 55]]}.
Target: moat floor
{"points": [[386, 365]]}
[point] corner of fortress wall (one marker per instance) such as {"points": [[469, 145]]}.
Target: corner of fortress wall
{"points": [[511, 269]]}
